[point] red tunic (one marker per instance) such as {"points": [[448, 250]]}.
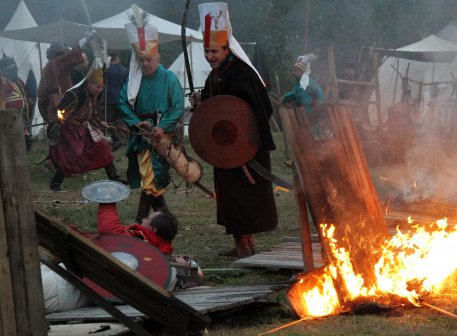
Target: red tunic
{"points": [[75, 151], [109, 223]]}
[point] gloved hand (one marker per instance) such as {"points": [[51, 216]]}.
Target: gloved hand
{"points": [[144, 125], [87, 38], [194, 98]]}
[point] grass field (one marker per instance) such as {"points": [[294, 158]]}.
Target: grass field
{"points": [[201, 238]]}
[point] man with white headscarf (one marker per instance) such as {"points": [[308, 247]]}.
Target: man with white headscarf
{"points": [[152, 100], [306, 92]]}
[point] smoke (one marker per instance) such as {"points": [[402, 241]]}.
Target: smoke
{"points": [[429, 172]]}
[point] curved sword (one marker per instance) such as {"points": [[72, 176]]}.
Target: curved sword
{"points": [[267, 175]]}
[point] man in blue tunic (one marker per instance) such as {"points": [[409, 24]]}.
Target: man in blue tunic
{"points": [[152, 100]]}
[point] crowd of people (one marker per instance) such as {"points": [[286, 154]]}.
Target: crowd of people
{"points": [[81, 100]]}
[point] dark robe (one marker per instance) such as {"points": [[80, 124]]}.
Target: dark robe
{"points": [[55, 80], [242, 207], [75, 151]]}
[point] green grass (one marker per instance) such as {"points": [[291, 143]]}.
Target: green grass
{"points": [[201, 238]]}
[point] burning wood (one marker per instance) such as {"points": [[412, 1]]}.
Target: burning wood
{"points": [[409, 266]]}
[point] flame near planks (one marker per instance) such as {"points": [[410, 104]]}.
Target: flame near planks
{"points": [[337, 185]]}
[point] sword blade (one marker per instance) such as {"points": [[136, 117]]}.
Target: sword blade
{"points": [[267, 175], [205, 189]]}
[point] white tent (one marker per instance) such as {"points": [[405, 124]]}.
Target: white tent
{"points": [[437, 64], [111, 29], [28, 55], [199, 66]]}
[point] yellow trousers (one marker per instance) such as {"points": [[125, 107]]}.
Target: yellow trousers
{"points": [[147, 173]]}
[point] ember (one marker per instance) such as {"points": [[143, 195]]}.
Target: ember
{"points": [[61, 115], [410, 265]]}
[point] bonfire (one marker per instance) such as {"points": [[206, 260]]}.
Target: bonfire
{"points": [[409, 267]]}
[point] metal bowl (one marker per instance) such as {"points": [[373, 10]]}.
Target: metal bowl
{"points": [[106, 191]]}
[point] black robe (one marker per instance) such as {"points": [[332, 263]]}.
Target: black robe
{"points": [[242, 207]]}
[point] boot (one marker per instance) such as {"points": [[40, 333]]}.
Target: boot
{"points": [[159, 204], [251, 242], [241, 249], [57, 180], [113, 175], [144, 207]]}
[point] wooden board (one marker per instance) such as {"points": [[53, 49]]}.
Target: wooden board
{"points": [[287, 255], [105, 329], [337, 184], [204, 300], [21, 295]]}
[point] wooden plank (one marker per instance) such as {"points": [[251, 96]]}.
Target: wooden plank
{"points": [[337, 185], [205, 300], [84, 258], [305, 234], [22, 307], [7, 313], [107, 329]]}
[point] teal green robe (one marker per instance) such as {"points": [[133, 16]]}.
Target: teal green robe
{"points": [[308, 98], [160, 94]]}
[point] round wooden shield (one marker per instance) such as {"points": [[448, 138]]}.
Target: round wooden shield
{"points": [[136, 254], [223, 132]]}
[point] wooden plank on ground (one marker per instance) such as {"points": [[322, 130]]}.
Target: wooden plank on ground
{"points": [[204, 300], [84, 258], [287, 255], [106, 329]]}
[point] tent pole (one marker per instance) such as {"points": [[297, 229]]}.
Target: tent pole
{"points": [[396, 81], [38, 46]]}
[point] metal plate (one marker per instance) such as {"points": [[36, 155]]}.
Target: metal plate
{"points": [[106, 191]]}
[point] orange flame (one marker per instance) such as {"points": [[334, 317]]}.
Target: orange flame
{"points": [[61, 115], [410, 265]]}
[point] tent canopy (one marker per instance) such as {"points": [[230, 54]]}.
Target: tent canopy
{"points": [[198, 64], [429, 49], [26, 54], [426, 70], [111, 29]]}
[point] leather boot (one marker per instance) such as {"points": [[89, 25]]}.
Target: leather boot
{"points": [[241, 249], [113, 175], [251, 242], [144, 207], [159, 204]]}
